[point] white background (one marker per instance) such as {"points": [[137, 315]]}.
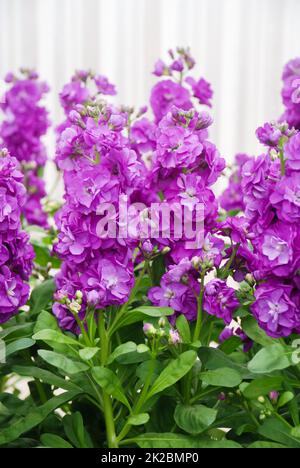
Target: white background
{"points": [[240, 46]]}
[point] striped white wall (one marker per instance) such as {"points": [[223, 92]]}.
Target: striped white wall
{"points": [[240, 46]]}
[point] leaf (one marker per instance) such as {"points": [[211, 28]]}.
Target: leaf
{"points": [[194, 419], [230, 345], [41, 296], [262, 386], [285, 398], [174, 371], [54, 441], [17, 331], [45, 377], [19, 345], [139, 314], [257, 334], [183, 327], [278, 431], [88, 353], [124, 348], [265, 445], [223, 377], [34, 417], [269, 359], [110, 383], [74, 429], [62, 362], [138, 419], [55, 337], [295, 432], [213, 359], [46, 321], [171, 440]]}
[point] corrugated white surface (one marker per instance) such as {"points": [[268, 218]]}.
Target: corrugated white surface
{"points": [[240, 47]]}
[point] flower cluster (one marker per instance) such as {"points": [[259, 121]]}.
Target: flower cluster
{"points": [[26, 121], [16, 254], [271, 248], [231, 199], [291, 93], [99, 167]]}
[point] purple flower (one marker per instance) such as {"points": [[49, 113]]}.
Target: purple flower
{"points": [[13, 293], [286, 198], [220, 300], [201, 89], [104, 86], [274, 309], [292, 153], [26, 121], [269, 134], [177, 146], [167, 93]]}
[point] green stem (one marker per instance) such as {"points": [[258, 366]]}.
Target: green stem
{"points": [[282, 163], [141, 400], [230, 261], [125, 306], [199, 309], [107, 404]]}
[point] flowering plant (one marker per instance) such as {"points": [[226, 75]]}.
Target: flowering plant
{"points": [[163, 317]]}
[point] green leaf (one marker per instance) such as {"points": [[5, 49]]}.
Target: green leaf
{"points": [[213, 358], [139, 314], [251, 328], [62, 362], [46, 321], [55, 337], [19, 345], [17, 331], [230, 345], [150, 311], [262, 386], [174, 371], [74, 429], [265, 445], [88, 353], [138, 419], [41, 296], [278, 431], [45, 377], [54, 441], [285, 398], [171, 440], [183, 327], [295, 432], [269, 359], [194, 419], [223, 377], [110, 383], [125, 348], [34, 417]]}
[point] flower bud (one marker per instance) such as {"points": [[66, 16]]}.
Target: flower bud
{"points": [[149, 329], [162, 322], [261, 399], [174, 337]]}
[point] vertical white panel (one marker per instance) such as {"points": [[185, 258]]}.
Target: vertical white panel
{"points": [[240, 46]]}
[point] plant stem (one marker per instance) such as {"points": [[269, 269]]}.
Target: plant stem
{"points": [[125, 306], [107, 404], [232, 257], [199, 309], [141, 400], [282, 163]]}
